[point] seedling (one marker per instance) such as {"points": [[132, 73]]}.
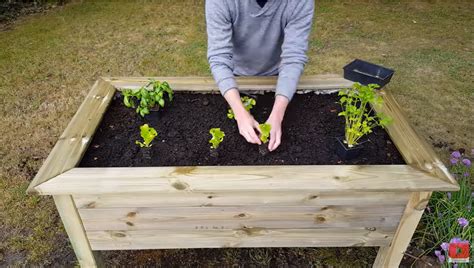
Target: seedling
{"points": [[217, 137], [359, 119], [265, 132], [248, 103], [150, 96], [148, 134]]}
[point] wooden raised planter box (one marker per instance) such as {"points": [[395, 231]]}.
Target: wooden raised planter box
{"points": [[233, 206]]}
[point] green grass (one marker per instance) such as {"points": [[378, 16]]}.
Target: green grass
{"points": [[49, 62]]}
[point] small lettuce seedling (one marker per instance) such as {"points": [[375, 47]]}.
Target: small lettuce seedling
{"points": [[150, 96], [217, 137], [265, 132], [248, 103], [148, 134], [360, 120]]}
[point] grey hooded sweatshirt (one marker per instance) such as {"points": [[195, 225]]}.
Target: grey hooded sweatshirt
{"points": [[245, 39]]}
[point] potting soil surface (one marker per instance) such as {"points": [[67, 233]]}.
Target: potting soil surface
{"points": [[309, 129]]}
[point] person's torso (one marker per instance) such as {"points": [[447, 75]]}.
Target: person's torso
{"points": [[258, 34]]}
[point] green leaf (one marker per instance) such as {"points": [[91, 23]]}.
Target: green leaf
{"points": [[161, 102], [148, 134], [265, 132], [217, 137]]}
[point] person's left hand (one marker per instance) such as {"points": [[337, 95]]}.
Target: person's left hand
{"points": [[275, 132]]}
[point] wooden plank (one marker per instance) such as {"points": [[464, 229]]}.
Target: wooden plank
{"points": [[392, 255], [75, 230], [413, 148], [189, 218], [243, 237], [378, 178], [206, 84], [73, 142], [216, 199]]}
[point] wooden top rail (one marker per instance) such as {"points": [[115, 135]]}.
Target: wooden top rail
{"points": [[378, 178]]}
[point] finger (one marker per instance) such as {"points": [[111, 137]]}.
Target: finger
{"points": [[277, 140], [254, 137], [257, 127], [271, 144]]}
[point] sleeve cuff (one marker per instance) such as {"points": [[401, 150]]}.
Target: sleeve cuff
{"points": [[286, 87], [226, 84]]}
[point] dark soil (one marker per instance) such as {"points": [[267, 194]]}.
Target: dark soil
{"points": [[309, 130]]}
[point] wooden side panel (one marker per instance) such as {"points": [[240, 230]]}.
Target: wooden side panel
{"points": [[416, 152], [73, 142], [243, 237], [219, 199], [350, 219], [207, 84], [190, 218], [156, 180]]}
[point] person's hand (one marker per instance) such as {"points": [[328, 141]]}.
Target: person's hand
{"points": [[275, 120], [247, 127], [275, 132], [245, 121]]}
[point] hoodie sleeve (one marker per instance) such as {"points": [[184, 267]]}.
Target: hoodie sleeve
{"points": [[295, 45], [219, 44]]}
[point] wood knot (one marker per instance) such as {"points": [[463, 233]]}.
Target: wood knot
{"points": [[324, 208], [370, 229], [210, 197], [178, 185], [131, 214], [320, 219], [241, 215], [311, 197], [91, 205], [118, 234], [130, 223]]}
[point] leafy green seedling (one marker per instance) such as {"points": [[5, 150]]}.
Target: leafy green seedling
{"points": [[150, 96], [148, 134], [217, 137], [265, 132], [360, 120], [248, 103]]}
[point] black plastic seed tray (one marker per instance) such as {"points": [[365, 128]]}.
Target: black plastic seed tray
{"points": [[367, 73]]}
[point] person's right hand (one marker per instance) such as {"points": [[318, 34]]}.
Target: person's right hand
{"points": [[245, 121], [248, 127]]}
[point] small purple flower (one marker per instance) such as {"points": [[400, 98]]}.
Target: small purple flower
{"points": [[466, 174], [440, 256], [455, 240], [454, 161], [449, 195], [466, 162], [455, 265], [463, 222], [445, 246], [456, 154]]}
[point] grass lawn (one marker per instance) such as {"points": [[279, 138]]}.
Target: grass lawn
{"points": [[49, 62]]}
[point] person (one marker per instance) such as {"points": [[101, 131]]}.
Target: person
{"points": [[258, 38]]}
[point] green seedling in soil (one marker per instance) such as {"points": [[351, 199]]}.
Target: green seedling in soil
{"points": [[217, 137], [148, 97], [360, 120], [265, 132], [148, 134], [248, 103]]}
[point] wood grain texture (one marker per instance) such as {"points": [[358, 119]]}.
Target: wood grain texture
{"points": [[392, 255], [376, 178], [327, 82], [190, 218], [233, 198], [73, 143], [416, 152], [243, 237], [75, 230]]}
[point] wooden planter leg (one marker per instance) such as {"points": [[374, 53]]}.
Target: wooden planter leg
{"points": [[392, 255], [75, 230]]}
